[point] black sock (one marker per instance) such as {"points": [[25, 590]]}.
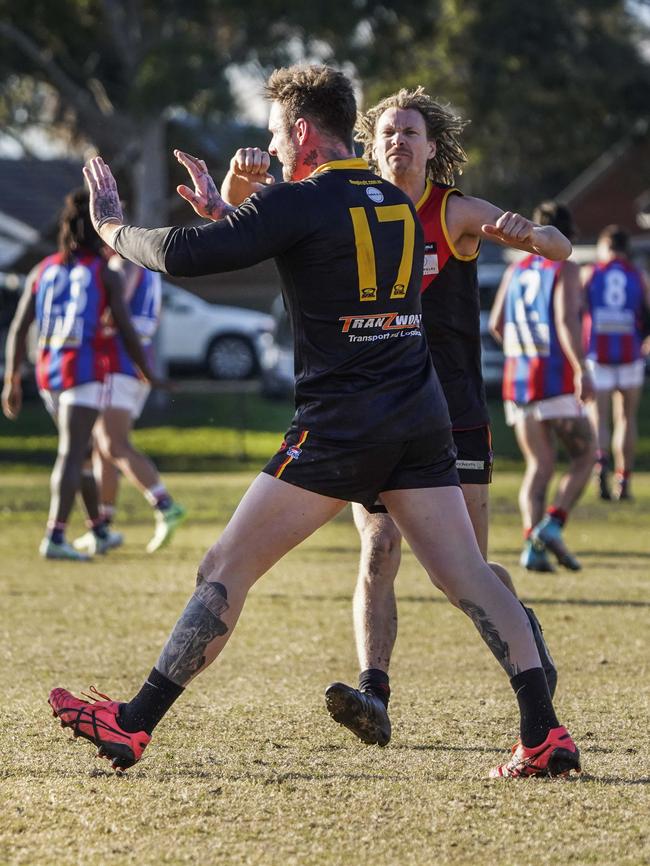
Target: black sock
{"points": [[147, 708], [535, 706], [101, 530], [375, 681]]}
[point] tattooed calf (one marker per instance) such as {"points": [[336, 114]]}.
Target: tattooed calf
{"points": [[576, 435], [200, 623], [490, 635]]}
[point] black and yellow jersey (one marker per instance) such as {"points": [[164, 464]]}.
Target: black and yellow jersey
{"points": [[451, 313], [349, 249]]}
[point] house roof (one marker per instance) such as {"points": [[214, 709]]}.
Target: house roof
{"points": [[32, 190], [614, 189]]}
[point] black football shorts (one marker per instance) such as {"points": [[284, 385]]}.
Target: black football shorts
{"points": [[475, 455], [358, 472]]}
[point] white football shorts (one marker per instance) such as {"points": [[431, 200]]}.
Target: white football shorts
{"points": [[563, 406], [125, 392], [89, 395], [617, 377]]}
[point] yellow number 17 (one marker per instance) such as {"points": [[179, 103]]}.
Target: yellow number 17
{"points": [[366, 250]]}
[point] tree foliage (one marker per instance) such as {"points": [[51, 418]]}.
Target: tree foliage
{"points": [[548, 86]]}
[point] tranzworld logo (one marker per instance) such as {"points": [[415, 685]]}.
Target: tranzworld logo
{"points": [[384, 321], [390, 325]]}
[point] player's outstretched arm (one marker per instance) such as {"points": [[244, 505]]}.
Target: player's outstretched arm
{"points": [[567, 302], [248, 173], [114, 285], [204, 198], [105, 208], [495, 322], [474, 217], [12, 391]]}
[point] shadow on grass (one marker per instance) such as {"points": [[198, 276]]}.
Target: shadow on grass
{"points": [[426, 599], [615, 780], [589, 555]]}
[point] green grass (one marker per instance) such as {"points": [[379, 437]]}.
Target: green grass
{"points": [[222, 432], [248, 768]]}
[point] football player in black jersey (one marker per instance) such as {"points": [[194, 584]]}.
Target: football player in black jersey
{"points": [[415, 143], [371, 419]]}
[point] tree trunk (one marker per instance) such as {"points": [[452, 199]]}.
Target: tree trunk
{"points": [[150, 210], [150, 176]]}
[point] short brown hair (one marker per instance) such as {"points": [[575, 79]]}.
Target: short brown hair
{"points": [[442, 126], [617, 238], [319, 93], [75, 226], [553, 213]]}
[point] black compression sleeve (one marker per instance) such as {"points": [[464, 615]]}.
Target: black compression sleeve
{"points": [[145, 247], [263, 227]]}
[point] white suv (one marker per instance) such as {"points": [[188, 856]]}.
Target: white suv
{"points": [[223, 340]]}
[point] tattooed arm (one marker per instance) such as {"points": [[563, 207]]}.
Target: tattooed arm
{"points": [[105, 208], [205, 199]]}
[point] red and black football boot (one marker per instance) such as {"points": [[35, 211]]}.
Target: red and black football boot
{"points": [[98, 722]]}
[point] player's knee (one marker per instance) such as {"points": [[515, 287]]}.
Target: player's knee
{"points": [[541, 473], [115, 450], [382, 546]]}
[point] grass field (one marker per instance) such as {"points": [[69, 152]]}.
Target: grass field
{"points": [[213, 432], [249, 769]]}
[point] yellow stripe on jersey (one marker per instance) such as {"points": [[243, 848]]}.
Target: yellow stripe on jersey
{"points": [[401, 213], [443, 223], [352, 163], [425, 195], [365, 255], [301, 441]]}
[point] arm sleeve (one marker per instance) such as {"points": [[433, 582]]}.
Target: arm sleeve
{"points": [[263, 227]]}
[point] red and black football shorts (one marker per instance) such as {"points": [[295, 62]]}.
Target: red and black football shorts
{"points": [[358, 471], [475, 455]]}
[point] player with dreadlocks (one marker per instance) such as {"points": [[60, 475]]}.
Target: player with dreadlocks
{"points": [[414, 141], [69, 294]]}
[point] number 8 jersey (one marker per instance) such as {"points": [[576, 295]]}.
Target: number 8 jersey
{"points": [[613, 320], [70, 300], [535, 368]]}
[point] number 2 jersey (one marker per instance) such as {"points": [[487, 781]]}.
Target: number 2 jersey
{"points": [[451, 313], [349, 249], [70, 302], [613, 321], [536, 367]]}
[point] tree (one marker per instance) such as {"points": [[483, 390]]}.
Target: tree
{"points": [[548, 87]]}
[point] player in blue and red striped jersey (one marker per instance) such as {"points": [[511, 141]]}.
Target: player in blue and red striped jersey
{"points": [[124, 396], [536, 314], [616, 296], [68, 293]]}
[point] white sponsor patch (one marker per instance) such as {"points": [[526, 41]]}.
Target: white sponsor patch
{"points": [[375, 195], [470, 464]]}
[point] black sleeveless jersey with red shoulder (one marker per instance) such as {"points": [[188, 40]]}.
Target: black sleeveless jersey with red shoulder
{"points": [[451, 313]]}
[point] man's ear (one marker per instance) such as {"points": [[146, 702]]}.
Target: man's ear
{"points": [[302, 129], [432, 149]]}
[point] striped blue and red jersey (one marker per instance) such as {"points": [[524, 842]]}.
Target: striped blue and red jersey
{"points": [[70, 302], [536, 367], [613, 321], [144, 307]]}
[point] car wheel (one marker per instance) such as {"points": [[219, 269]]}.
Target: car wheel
{"points": [[231, 357]]}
